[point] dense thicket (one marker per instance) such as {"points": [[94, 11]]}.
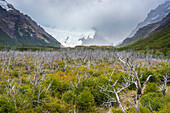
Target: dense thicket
{"points": [[83, 80]]}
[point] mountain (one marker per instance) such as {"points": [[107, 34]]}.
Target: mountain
{"points": [[157, 38], [19, 29], [147, 31], [154, 16]]}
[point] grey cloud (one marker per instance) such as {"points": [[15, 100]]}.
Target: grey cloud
{"points": [[114, 18]]}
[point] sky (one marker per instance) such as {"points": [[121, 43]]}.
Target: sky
{"points": [[116, 18]]}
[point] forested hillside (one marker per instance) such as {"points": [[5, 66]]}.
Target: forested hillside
{"points": [[158, 41]]}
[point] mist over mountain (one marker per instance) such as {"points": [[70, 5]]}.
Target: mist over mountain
{"points": [[154, 22], [98, 39], [154, 16], [113, 19]]}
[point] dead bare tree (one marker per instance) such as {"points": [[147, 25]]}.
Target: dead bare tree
{"points": [[130, 62], [165, 77], [39, 87], [111, 88], [20, 101]]}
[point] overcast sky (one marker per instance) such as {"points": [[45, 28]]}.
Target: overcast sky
{"points": [[119, 15]]}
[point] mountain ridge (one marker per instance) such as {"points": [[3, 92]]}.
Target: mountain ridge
{"points": [[153, 16], [149, 25], [21, 28], [159, 41], [147, 31]]}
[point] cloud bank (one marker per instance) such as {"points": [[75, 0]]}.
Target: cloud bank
{"points": [[114, 18]]}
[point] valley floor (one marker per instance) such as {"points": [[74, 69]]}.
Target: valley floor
{"points": [[84, 80]]}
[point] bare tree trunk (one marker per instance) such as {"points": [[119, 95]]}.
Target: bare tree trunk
{"points": [[140, 92], [137, 104], [78, 79], [118, 100], [140, 89], [166, 80]]}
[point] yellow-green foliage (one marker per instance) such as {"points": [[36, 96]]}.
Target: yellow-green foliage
{"points": [[57, 88], [116, 110], [86, 100]]}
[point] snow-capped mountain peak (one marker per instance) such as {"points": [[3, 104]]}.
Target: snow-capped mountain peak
{"points": [[154, 16], [4, 5]]}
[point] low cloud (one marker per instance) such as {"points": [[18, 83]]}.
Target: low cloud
{"points": [[115, 18]]}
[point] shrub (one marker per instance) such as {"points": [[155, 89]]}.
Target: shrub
{"points": [[56, 106], [151, 87], [6, 107], [116, 110], [15, 74], [69, 97], [59, 86], [94, 84], [157, 101], [142, 110], [86, 100], [166, 109], [145, 74]]}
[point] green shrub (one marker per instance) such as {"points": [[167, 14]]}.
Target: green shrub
{"points": [[166, 109], [131, 110], [151, 87], [6, 107], [116, 110], [94, 84], [69, 97], [145, 74], [15, 74], [156, 101], [144, 109], [86, 100], [56, 106], [59, 87]]}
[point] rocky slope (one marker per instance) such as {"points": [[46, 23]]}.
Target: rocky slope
{"points": [[154, 16], [19, 29], [148, 26], [159, 41], [147, 31]]}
